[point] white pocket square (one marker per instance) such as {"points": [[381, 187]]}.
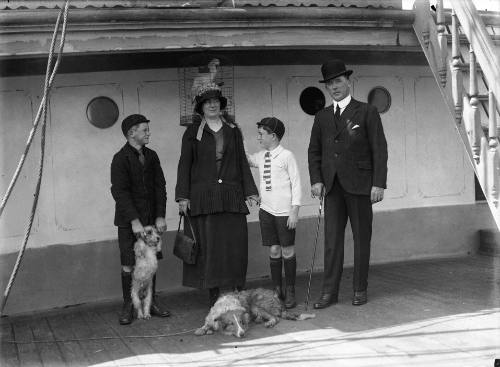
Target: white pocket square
{"points": [[355, 126]]}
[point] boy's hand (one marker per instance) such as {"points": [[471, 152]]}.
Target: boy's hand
{"points": [[137, 228], [161, 225], [293, 217]]}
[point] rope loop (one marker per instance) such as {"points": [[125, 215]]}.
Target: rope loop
{"points": [[42, 112]]}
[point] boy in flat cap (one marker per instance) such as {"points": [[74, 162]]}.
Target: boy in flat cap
{"points": [[280, 193], [138, 187]]}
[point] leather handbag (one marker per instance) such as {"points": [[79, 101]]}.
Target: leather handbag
{"points": [[185, 247]]}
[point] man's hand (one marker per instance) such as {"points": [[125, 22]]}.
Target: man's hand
{"points": [[161, 225], [377, 194], [317, 190], [184, 206], [293, 217], [137, 228], [254, 198]]}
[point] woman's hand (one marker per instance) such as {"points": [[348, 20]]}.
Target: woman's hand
{"points": [[254, 198], [184, 206]]}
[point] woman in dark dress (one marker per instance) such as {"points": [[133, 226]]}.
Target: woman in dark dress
{"points": [[213, 182]]}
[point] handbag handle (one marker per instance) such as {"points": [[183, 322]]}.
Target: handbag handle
{"points": [[189, 222]]}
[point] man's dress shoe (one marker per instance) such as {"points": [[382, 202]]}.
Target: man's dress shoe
{"points": [[325, 300], [359, 298]]}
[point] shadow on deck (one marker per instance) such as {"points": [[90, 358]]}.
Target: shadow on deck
{"points": [[425, 313]]}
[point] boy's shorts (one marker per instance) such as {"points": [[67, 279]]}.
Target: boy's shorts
{"points": [[274, 230], [126, 241]]}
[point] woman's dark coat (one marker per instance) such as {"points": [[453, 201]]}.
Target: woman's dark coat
{"points": [[210, 191], [218, 207]]}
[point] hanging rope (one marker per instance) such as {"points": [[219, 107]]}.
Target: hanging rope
{"points": [[42, 111], [42, 104]]}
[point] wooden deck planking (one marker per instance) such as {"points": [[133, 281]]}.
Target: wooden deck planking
{"points": [[27, 350], [139, 347], [50, 353], [8, 350], [71, 350], [115, 347], [437, 312], [94, 350]]}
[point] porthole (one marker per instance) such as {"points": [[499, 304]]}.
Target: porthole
{"points": [[380, 98], [312, 100], [102, 112]]}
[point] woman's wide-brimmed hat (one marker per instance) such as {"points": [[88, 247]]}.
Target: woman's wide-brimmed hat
{"points": [[332, 69], [207, 92]]}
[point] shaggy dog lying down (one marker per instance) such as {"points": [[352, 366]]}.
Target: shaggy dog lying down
{"points": [[233, 312]]}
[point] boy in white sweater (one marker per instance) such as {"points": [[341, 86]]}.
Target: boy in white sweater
{"points": [[280, 193]]}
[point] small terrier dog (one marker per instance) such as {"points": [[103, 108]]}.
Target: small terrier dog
{"points": [[233, 312], [145, 249]]}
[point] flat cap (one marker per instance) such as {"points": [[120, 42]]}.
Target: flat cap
{"points": [[132, 120]]}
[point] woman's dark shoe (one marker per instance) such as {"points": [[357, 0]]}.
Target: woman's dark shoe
{"points": [[127, 314], [325, 300], [290, 301], [359, 298]]}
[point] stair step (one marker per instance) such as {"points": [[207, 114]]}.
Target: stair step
{"points": [[464, 41]]}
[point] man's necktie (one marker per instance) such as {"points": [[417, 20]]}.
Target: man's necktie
{"points": [[142, 159], [336, 117], [267, 171]]}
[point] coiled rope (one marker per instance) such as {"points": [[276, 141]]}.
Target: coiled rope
{"points": [[42, 111]]}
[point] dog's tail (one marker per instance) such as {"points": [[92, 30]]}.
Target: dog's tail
{"points": [[287, 315]]}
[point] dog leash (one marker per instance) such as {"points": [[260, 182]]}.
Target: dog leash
{"points": [[314, 253], [190, 331]]}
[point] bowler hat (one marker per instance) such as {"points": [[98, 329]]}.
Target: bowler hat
{"points": [[132, 120], [207, 92], [275, 125], [332, 69]]}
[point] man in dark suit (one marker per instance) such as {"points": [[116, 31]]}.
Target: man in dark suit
{"points": [[138, 187], [348, 167]]}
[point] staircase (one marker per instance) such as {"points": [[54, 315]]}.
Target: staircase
{"points": [[469, 81]]}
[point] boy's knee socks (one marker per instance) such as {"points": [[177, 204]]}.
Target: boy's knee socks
{"points": [[276, 265], [126, 286], [290, 265]]}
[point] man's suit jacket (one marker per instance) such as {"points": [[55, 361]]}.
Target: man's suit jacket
{"points": [[356, 152]]}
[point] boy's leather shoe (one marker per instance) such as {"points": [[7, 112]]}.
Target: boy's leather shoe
{"points": [[127, 314], [325, 300], [157, 309], [359, 298]]}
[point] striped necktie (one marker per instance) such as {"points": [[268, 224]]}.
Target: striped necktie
{"points": [[267, 171]]}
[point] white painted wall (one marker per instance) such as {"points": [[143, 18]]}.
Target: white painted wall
{"points": [[427, 165]]}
